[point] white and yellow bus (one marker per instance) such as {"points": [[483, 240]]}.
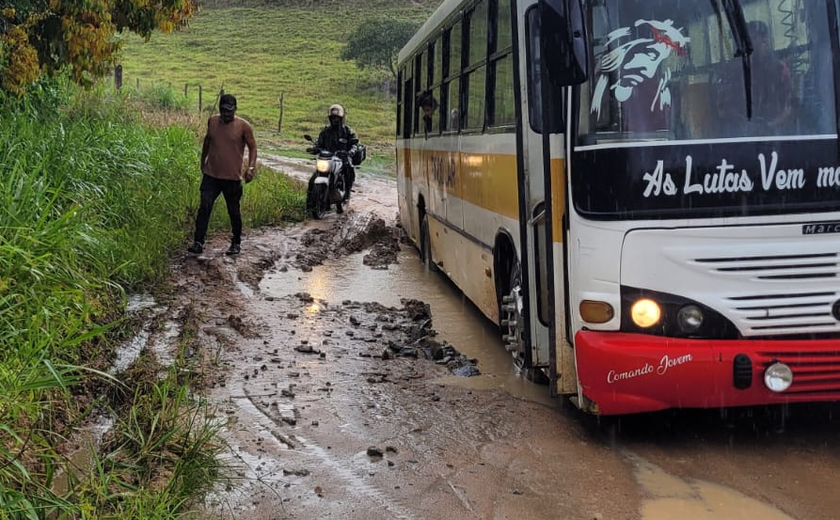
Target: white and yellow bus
{"points": [[643, 194]]}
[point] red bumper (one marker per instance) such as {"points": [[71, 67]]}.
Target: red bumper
{"points": [[632, 373]]}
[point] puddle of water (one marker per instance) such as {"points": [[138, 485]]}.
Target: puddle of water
{"points": [[163, 345], [674, 497], [138, 302], [87, 438], [160, 346], [454, 317], [129, 352], [244, 289]]}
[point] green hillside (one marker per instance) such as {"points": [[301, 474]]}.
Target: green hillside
{"points": [[261, 53]]}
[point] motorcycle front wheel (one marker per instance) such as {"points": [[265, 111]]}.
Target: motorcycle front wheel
{"points": [[318, 201], [339, 205]]}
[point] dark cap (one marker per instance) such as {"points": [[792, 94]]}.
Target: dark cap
{"points": [[227, 102]]}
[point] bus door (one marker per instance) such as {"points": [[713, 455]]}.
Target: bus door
{"points": [[533, 212]]}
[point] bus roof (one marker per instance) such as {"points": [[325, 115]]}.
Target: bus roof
{"points": [[438, 17]]}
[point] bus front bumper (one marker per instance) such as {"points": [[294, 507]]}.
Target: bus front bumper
{"points": [[632, 373]]}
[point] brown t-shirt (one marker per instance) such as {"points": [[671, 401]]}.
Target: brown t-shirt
{"points": [[227, 146]]}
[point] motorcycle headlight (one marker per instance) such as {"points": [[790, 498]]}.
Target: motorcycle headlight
{"points": [[322, 165]]}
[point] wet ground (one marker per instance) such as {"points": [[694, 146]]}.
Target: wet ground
{"points": [[355, 384]]}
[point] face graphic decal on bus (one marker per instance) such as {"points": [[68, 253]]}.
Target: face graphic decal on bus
{"points": [[632, 64]]}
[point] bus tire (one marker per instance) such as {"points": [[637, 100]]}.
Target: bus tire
{"points": [[426, 245], [513, 335], [512, 318]]}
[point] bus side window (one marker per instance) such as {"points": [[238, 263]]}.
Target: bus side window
{"points": [[476, 91], [408, 107], [399, 102], [504, 101], [476, 73], [501, 109], [419, 86], [427, 106], [450, 90], [453, 119]]}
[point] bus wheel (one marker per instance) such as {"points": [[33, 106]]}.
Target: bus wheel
{"points": [[513, 319], [426, 245]]}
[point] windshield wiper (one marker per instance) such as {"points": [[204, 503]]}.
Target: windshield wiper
{"points": [[743, 44]]}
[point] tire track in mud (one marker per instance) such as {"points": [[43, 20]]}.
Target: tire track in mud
{"points": [[354, 482], [264, 412]]}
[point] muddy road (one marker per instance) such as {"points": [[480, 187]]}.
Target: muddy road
{"points": [[354, 384]]}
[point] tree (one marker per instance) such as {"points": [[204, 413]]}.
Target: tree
{"points": [[376, 43], [46, 36]]}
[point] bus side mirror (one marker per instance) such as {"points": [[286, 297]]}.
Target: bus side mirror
{"points": [[564, 41]]}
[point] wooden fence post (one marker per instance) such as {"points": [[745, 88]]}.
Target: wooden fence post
{"points": [[280, 119], [199, 99], [185, 89], [118, 77]]}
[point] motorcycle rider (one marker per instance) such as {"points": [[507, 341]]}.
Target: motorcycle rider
{"points": [[338, 137]]}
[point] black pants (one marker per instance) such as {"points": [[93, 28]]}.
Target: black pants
{"points": [[349, 179], [211, 187]]}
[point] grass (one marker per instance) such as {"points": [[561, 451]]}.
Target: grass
{"points": [[261, 53], [94, 202]]}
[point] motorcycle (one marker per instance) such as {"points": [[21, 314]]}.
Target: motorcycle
{"points": [[329, 185]]}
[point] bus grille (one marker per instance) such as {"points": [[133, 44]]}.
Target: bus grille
{"points": [[814, 372], [798, 292]]}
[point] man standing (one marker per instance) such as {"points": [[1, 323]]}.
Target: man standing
{"points": [[221, 166]]}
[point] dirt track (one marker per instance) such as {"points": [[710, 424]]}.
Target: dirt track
{"points": [[341, 409]]}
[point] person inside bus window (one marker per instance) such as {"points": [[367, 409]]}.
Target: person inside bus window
{"points": [[428, 105], [772, 86]]}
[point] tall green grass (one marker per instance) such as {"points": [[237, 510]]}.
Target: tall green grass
{"points": [[93, 203], [259, 53]]}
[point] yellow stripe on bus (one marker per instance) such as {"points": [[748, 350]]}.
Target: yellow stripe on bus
{"points": [[489, 181], [485, 180]]}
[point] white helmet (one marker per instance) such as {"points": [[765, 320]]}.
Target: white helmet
{"points": [[336, 110]]}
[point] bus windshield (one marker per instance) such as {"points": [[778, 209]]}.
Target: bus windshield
{"points": [[670, 70]]}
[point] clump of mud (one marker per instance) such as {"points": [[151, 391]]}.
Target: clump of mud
{"points": [[414, 320], [351, 234]]}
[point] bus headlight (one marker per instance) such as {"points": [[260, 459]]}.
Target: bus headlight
{"points": [[646, 313], [322, 165], [778, 377], [690, 318]]}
